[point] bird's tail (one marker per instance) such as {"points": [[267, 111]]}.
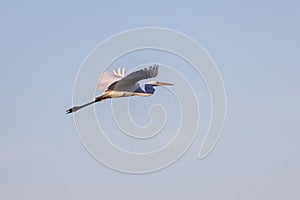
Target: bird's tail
{"points": [[97, 99]]}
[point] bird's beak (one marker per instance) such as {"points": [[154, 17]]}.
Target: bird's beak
{"points": [[163, 83]]}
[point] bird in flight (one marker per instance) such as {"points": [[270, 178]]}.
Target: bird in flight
{"points": [[116, 84]]}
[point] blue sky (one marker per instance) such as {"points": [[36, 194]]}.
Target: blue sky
{"points": [[255, 45]]}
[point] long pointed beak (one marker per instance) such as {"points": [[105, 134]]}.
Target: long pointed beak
{"points": [[163, 83]]}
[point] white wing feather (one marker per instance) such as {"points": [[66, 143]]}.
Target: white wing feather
{"points": [[136, 76], [108, 77], [128, 82]]}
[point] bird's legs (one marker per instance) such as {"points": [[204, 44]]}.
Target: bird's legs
{"points": [[97, 99]]}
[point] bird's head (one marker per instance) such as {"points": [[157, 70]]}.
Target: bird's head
{"points": [[149, 87], [158, 83]]}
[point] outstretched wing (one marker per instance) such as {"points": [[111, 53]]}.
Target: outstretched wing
{"points": [[108, 77], [136, 76]]}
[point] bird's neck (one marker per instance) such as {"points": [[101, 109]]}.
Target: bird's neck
{"points": [[149, 89]]}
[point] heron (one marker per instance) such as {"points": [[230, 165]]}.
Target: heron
{"points": [[115, 84]]}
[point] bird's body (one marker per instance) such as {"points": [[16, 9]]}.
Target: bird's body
{"points": [[116, 84]]}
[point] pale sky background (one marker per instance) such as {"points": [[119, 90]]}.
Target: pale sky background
{"points": [[256, 46]]}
